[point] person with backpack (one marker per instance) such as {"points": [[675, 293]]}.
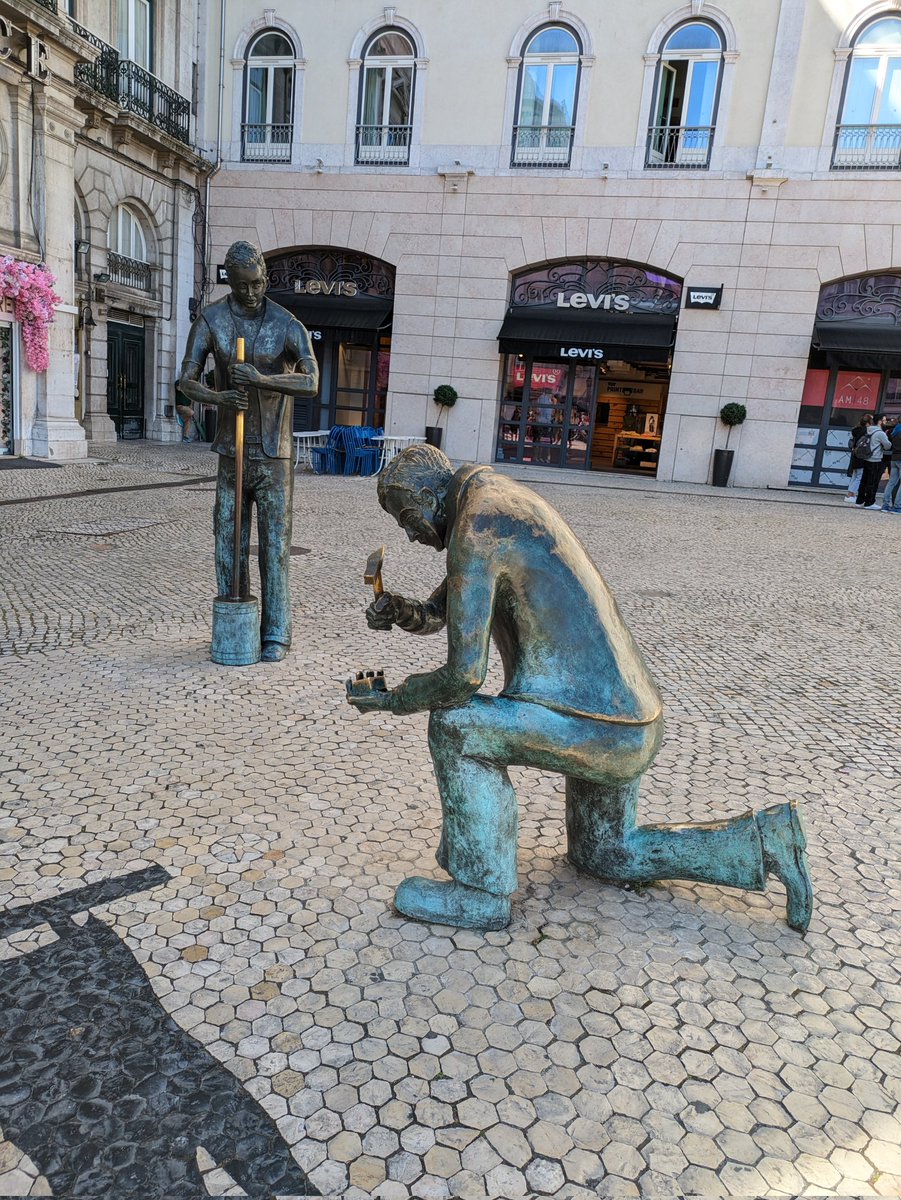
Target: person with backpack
{"points": [[855, 467], [891, 497], [868, 451]]}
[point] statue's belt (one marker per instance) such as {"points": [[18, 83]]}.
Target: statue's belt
{"points": [[566, 711]]}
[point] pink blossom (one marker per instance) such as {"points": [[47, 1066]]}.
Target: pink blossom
{"points": [[31, 289]]}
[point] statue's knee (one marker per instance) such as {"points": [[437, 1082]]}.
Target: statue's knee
{"points": [[446, 726]]}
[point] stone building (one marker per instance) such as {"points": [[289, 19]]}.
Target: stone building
{"points": [[598, 223], [99, 181]]}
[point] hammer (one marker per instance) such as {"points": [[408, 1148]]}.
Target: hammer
{"points": [[373, 572]]}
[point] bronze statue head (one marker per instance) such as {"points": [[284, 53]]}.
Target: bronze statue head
{"points": [[247, 276], [413, 490]]}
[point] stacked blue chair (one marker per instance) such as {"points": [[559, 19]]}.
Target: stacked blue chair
{"points": [[329, 459], [362, 454]]}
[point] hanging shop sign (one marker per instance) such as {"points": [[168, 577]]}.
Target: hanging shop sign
{"points": [[703, 297], [597, 285]]}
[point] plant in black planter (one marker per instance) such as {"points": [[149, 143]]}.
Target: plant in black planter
{"points": [[445, 397], [730, 414]]}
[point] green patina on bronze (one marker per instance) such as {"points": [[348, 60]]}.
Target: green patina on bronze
{"points": [[578, 699], [279, 365]]}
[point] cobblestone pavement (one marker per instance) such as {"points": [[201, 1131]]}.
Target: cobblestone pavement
{"points": [[674, 1040]]}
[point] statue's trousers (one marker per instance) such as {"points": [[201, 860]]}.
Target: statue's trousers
{"points": [[268, 484], [473, 744]]}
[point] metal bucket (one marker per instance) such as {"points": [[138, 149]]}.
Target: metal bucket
{"points": [[236, 631]]}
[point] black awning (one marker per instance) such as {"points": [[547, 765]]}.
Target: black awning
{"points": [[339, 312], [858, 345], [646, 337]]}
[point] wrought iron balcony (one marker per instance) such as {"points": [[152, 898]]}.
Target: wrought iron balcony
{"points": [[128, 271], [133, 88], [266, 143], [385, 144], [871, 147], [48, 4], [542, 145], [680, 146]]}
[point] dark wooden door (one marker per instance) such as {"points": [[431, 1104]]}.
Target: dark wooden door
{"points": [[125, 380]]}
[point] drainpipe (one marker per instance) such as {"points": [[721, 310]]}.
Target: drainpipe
{"points": [[218, 164]]}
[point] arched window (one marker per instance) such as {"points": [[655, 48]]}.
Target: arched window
{"points": [[686, 96], [385, 119], [869, 131], [268, 127], [546, 99], [127, 249]]}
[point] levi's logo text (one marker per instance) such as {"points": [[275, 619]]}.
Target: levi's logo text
{"points": [[319, 287], [581, 352], [604, 300]]}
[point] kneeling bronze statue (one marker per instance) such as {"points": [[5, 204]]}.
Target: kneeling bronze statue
{"points": [[578, 699]]}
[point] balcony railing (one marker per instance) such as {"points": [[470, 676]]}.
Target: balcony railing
{"points": [[385, 144], [133, 88], [48, 4], [128, 271], [266, 143], [677, 146], [872, 147], [542, 145]]}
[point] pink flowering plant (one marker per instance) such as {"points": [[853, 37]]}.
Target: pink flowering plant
{"points": [[31, 289]]}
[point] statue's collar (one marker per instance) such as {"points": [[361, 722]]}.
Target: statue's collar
{"points": [[455, 490]]}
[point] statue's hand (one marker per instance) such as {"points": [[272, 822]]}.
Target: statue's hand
{"points": [[374, 701], [243, 374], [233, 399], [385, 611]]}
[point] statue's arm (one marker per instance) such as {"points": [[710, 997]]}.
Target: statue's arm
{"points": [[413, 616], [303, 379], [200, 345], [469, 601]]}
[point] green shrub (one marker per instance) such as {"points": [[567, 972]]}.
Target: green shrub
{"points": [[445, 395], [733, 414]]}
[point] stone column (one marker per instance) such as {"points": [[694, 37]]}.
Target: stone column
{"points": [[55, 431]]}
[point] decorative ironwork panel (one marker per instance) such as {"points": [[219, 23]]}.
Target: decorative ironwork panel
{"points": [[647, 290], [387, 145], [864, 298], [266, 143], [148, 97], [51, 5], [680, 146], [542, 145], [102, 75], [129, 271], [370, 276], [871, 147]]}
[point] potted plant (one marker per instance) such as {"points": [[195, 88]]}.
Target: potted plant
{"points": [[730, 414], [445, 397]]}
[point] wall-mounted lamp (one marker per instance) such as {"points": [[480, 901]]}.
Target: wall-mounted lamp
{"points": [[102, 277], [81, 246], [86, 318]]}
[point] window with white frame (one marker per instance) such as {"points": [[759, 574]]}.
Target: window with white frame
{"points": [[127, 259], [686, 95], [546, 99], [869, 130], [268, 126], [134, 31], [385, 120]]}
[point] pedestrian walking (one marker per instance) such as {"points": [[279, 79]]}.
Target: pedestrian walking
{"points": [[855, 466], [868, 450], [891, 497]]}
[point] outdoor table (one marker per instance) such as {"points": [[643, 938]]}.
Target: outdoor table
{"points": [[303, 442], [392, 444]]}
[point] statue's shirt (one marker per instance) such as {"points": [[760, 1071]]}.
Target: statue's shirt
{"points": [[517, 572], [275, 343]]}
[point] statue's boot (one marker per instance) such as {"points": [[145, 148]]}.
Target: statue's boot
{"points": [[451, 904], [273, 652], [784, 845]]}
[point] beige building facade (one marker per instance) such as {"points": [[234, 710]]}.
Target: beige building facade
{"points": [[598, 224], [99, 182]]}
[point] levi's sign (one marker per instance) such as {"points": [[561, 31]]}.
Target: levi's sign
{"points": [[319, 287], [585, 352], [604, 300], [703, 297]]}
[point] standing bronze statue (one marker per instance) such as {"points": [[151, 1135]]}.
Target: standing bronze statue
{"points": [[577, 699], [279, 364]]}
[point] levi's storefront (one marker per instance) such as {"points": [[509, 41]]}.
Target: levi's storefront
{"points": [[587, 347], [346, 302], [854, 368]]}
